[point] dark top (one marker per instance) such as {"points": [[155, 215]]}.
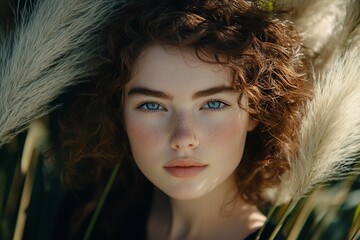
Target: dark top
{"points": [[269, 228], [120, 219]]}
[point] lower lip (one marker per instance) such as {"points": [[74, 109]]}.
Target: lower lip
{"points": [[185, 172]]}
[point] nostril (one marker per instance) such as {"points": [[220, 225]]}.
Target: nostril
{"points": [[182, 143]]}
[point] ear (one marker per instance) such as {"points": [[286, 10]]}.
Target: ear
{"points": [[252, 124]]}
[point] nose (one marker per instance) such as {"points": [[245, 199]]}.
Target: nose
{"points": [[183, 134]]}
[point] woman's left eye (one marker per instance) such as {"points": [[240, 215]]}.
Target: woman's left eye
{"points": [[214, 105]]}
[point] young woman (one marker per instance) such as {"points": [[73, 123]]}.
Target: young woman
{"points": [[199, 101]]}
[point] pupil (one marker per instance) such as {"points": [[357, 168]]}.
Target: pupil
{"points": [[214, 104], [152, 106]]}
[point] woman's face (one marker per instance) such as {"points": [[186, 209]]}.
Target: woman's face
{"points": [[186, 130]]}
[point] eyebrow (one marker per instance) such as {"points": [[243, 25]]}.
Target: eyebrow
{"points": [[213, 91], [148, 92], [158, 94]]}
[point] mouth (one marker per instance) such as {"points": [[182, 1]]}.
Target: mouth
{"points": [[184, 168]]}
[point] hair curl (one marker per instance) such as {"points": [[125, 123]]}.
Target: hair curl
{"points": [[263, 54]]}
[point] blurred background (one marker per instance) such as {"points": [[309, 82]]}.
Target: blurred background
{"points": [[31, 191]]}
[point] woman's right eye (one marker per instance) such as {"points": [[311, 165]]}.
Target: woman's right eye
{"points": [[150, 106]]}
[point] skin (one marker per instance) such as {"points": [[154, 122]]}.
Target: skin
{"points": [[178, 108]]}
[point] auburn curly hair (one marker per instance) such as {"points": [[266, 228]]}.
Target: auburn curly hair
{"points": [[265, 58]]}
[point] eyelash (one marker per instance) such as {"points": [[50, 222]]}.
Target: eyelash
{"points": [[145, 106]]}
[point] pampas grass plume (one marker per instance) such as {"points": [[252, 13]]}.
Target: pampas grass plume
{"points": [[330, 130], [44, 55]]}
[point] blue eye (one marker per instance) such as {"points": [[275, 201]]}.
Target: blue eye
{"points": [[151, 106], [214, 105]]}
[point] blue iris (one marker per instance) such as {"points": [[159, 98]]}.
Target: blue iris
{"points": [[151, 106], [214, 105]]}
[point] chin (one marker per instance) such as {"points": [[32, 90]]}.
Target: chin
{"points": [[185, 192]]}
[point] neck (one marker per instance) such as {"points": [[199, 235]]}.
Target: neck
{"points": [[217, 213], [217, 204]]}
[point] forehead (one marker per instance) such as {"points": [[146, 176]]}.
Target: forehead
{"points": [[161, 65]]}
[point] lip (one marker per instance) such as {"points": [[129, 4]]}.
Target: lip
{"points": [[184, 163], [184, 168]]}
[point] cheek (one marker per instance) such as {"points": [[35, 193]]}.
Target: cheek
{"points": [[143, 138], [140, 134], [228, 132]]}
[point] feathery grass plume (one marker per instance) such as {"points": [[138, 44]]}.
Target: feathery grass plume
{"points": [[330, 130], [325, 25], [350, 41], [44, 55], [329, 137]]}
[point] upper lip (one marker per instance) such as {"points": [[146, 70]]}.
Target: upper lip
{"points": [[184, 163]]}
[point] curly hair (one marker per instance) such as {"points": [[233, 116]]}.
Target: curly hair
{"points": [[264, 55]]}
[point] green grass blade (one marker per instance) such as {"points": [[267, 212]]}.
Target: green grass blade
{"points": [[355, 228], [101, 202], [288, 210], [272, 210]]}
